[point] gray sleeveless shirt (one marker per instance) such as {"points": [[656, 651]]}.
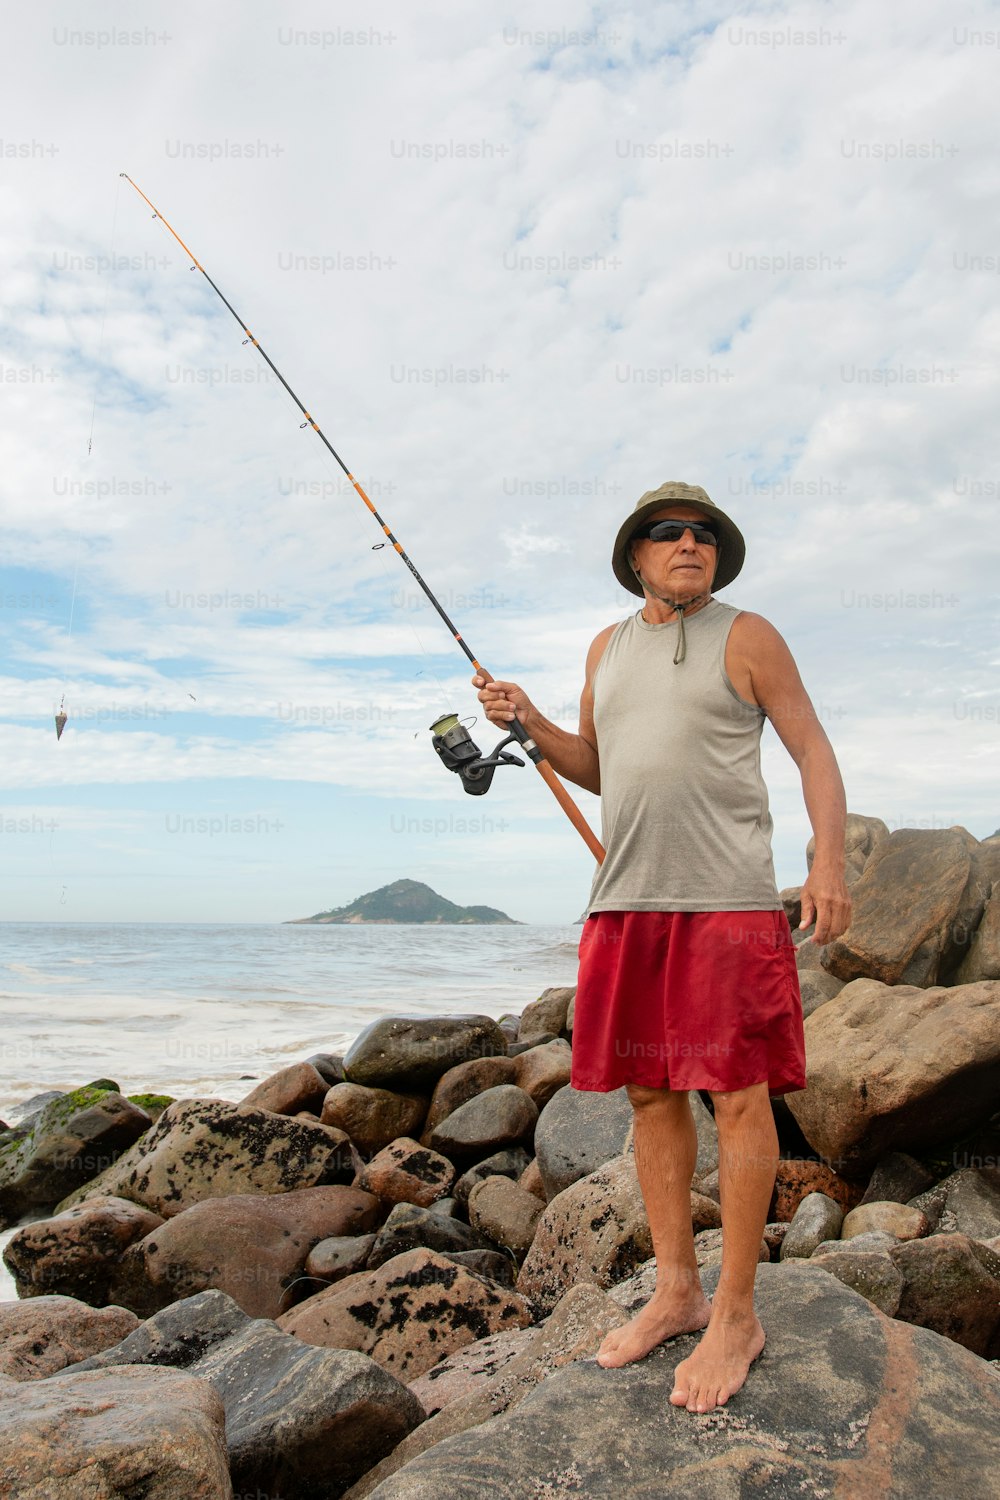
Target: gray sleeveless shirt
{"points": [[684, 808]]}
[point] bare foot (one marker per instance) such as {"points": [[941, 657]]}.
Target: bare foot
{"points": [[663, 1316], [718, 1367]]}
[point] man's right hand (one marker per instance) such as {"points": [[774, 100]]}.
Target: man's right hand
{"points": [[502, 701]]}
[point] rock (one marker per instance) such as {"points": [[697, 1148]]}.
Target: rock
{"points": [[296, 1088], [462, 1083], [531, 1179], [498, 1117], [577, 1132], [373, 1118], [407, 1172], [984, 873], [339, 1256], [409, 1227], [494, 1265], [448, 1207], [895, 1218], [841, 1389], [505, 1213], [573, 1331], [868, 1272], [872, 1239], [208, 1148], [816, 1219], [705, 1212], [708, 1136], [542, 1071], [252, 1248], [795, 1178], [158, 1434], [546, 1015], [896, 1179], [407, 1314], [910, 890], [571, 1007], [329, 1066], [512, 1162], [774, 1238], [509, 1024], [302, 1420], [707, 1252], [982, 960], [74, 1254], [967, 1201], [45, 1334], [902, 1067], [469, 1369], [863, 836], [594, 1231], [63, 1145], [409, 1053], [515, 1049], [791, 901], [816, 987], [180, 1335], [948, 1288]]}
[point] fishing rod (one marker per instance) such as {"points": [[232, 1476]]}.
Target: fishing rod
{"points": [[451, 740]]}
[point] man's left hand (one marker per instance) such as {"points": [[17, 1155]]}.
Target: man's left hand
{"points": [[827, 902]]}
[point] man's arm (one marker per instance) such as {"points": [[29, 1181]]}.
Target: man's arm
{"points": [[777, 687], [573, 756]]}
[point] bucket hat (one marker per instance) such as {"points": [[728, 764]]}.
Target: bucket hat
{"points": [[731, 549]]}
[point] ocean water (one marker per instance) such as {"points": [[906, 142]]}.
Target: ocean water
{"points": [[204, 1009], [210, 1010]]}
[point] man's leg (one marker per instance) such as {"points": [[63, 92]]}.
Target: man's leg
{"points": [[666, 1149], [748, 1161]]}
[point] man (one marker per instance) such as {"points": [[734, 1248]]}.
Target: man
{"points": [[687, 972]]}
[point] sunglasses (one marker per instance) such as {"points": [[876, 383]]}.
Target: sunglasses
{"points": [[672, 531]]}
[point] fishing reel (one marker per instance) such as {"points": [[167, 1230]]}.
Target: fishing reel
{"points": [[460, 753]]}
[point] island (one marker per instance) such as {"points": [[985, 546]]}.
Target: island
{"points": [[407, 901]]}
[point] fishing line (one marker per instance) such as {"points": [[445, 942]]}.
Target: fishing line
{"points": [[450, 739]]}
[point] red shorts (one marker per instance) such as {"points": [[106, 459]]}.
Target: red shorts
{"points": [[688, 1000]]}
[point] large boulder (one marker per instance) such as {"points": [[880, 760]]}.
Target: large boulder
{"points": [[499, 1117], [373, 1118], [898, 1068], [967, 923], [300, 1421], [208, 1148], [45, 1334], [252, 1248], [63, 1145], [408, 1314], [844, 1401], [506, 1374], [303, 1421], [577, 1132], [106, 1433], [982, 957], [909, 892], [594, 1231], [409, 1053], [74, 1254]]}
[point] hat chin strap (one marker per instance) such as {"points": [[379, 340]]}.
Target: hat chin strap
{"points": [[679, 605]]}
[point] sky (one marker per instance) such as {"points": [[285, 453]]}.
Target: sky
{"points": [[521, 264]]}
